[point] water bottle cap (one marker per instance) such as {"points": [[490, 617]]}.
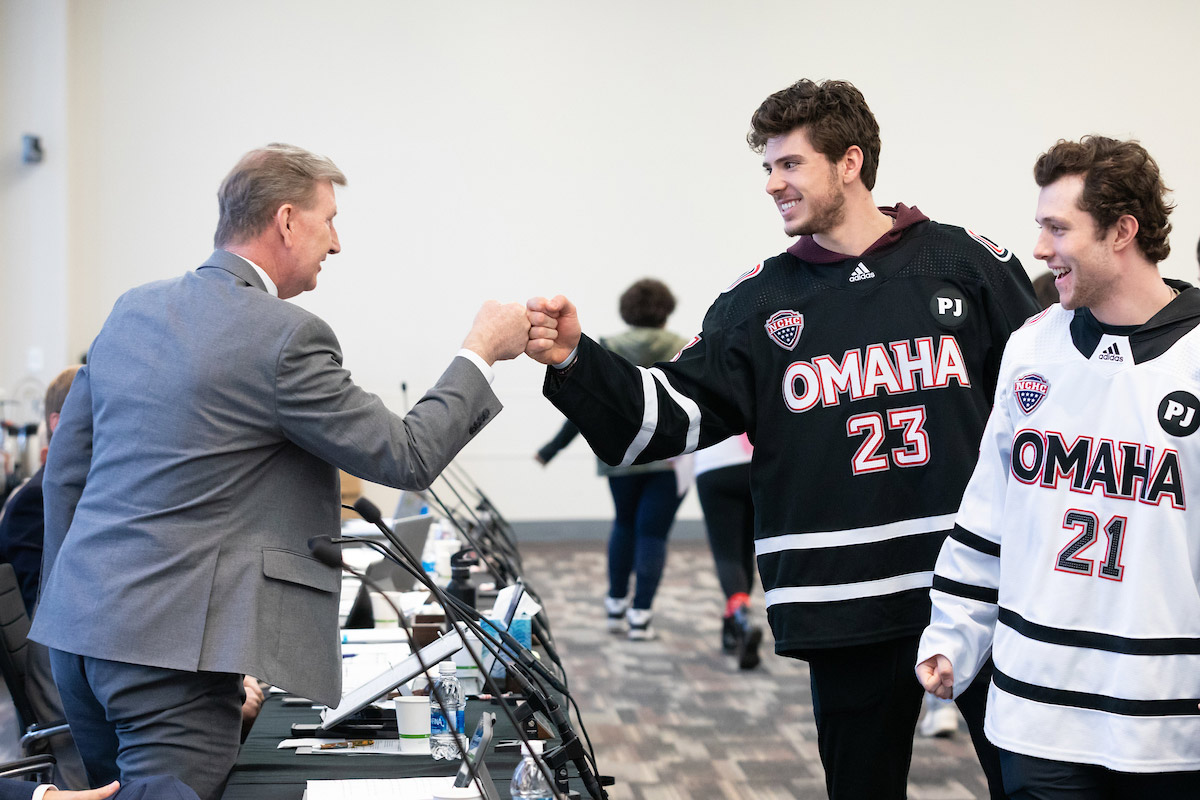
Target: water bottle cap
{"points": [[447, 668], [532, 747]]}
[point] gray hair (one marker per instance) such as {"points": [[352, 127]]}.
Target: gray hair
{"points": [[262, 181]]}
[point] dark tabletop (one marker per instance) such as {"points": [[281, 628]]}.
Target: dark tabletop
{"points": [[264, 772]]}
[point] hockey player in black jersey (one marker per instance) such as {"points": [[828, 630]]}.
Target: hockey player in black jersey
{"points": [[861, 363], [1075, 559]]}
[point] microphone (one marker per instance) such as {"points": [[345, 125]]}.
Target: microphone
{"points": [[325, 551], [330, 554], [371, 513], [323, 548]]}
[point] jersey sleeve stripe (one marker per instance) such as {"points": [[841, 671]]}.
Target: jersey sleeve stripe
{"points": [[875, 533], [971, 540], [1096, 702], [688, 405], [966, 590], [846, 591], [649, 420], [1099, 641]]}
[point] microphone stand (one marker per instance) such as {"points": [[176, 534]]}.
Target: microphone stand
{"points": [[459, 612], [539, 622], [571, 748], [327, 552]]}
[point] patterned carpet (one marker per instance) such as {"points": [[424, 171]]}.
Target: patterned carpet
{"points": [[674, 718]]}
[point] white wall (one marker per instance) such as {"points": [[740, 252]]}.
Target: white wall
{"points": [[504, 149], [33, 203]]}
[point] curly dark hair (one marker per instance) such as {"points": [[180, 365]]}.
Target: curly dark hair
{"points": [[834, 114], [647, 304], [1119, 178]]}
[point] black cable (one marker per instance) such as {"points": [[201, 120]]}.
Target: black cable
{"points": [[462, 613], [333, 557]]}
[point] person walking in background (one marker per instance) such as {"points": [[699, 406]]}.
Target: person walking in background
{"points": [[646, 496], [723, 485]]}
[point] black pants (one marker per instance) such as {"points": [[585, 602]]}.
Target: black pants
{"points": [[866, 700], [1030, 778], [729, 519]]}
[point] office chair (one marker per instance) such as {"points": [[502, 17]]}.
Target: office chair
{"points": [[14, 654], [39, 768]]}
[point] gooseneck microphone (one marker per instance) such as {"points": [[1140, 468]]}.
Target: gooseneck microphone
{"points": [[327, 552], [510, 651]]}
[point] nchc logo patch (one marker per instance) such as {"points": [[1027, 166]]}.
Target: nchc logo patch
{"points": [[784, 328], [1030, 390]]}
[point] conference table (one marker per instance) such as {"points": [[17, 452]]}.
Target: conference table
{"points": [[264, 772]]}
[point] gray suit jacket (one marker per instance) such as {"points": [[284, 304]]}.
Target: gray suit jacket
{"points": [[196, 454]]}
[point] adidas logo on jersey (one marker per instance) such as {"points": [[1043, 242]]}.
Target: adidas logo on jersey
{"points": [[1111, 353], [861, 273]]}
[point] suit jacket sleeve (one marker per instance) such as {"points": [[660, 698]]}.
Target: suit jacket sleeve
{"points": [[11, 789], [67, 467], [321, 409]]}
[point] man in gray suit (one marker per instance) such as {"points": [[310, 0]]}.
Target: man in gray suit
{"points": [[196, 455]]}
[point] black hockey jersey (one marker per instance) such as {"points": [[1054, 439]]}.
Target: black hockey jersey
{"points": [[864, 386]]}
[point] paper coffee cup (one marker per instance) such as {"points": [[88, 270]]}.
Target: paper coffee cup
{"points": [[412, 722], [385, 616]]}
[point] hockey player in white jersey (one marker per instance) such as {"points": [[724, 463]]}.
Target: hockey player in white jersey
{"points": [[1075, 558]]}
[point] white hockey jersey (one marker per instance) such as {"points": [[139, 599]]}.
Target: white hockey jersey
{"points": [[1075, 558]]}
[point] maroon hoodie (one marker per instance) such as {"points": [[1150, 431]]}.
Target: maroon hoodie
{"points": [[806, 248]]}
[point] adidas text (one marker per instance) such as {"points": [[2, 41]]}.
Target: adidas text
{"points": [[861, 273]]}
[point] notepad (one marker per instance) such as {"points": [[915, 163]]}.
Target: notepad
{"points": [[389, 789]]}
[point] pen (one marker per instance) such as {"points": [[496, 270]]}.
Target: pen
{"points": [[344, 745]]}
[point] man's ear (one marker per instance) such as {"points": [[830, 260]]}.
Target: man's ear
{"points": [[1126, 228], [283, 222], [52, 420], [850, 164]]}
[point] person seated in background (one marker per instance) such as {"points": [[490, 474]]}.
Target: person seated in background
{"points": [[22, 531], [22, 524]]}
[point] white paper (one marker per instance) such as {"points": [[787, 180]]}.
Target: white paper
{"points": [[390, 789], [527, 607]]}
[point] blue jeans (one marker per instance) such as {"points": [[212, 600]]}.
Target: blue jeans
{"points": [[646, 504]]}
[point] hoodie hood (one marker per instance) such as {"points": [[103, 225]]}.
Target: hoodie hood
{"points": [[903, 218]]}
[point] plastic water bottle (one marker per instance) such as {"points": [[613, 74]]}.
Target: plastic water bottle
{"points": [[528, 782], [429, 552], [442, 732]]}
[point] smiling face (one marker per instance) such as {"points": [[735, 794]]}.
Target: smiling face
{"points": [[312, 237], [804, 185], [1086, 273]]}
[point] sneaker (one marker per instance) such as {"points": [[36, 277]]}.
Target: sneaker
{"points": [[639, 624], [941, 718], [748, 636], [729, 641], [615, 607]]}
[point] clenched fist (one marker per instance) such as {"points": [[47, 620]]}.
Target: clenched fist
{"points": [[500, 332]]}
